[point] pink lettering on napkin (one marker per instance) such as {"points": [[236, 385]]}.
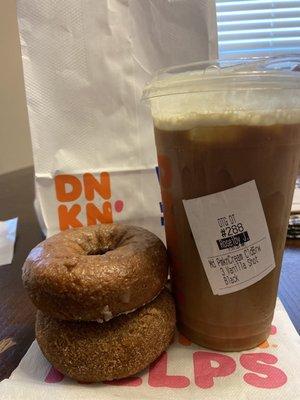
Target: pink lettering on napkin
{"points": [[158, 376], [205, 372], [259, 363], [54, 376]]}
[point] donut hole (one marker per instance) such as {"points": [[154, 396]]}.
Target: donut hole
{"points": [[99, 242], [93, 245], [99, 251]]}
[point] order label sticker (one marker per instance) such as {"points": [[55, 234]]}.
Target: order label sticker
{"points": [[232, 237]]}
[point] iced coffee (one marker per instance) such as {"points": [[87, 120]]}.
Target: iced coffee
{"points": [[216, 129]]}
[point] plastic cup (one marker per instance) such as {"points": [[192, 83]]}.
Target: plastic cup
{"points": [[219, 125]]}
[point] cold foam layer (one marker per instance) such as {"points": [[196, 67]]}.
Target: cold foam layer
{"points": [[244, 107]]}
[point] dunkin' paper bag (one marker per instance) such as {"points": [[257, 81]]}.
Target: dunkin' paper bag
{"points": [[184, 372], [85, 65]]}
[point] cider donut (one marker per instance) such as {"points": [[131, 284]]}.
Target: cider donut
{"points": [[95, 272], [123, 346]]}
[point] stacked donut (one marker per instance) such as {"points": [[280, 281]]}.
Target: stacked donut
{"points": [[104, 312]]}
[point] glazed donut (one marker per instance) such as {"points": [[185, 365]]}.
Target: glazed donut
{"points": [[123, 346], [95, 272]]}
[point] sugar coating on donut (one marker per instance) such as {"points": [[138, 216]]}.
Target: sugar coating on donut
{"points": [[92, 352], [107, 315]]}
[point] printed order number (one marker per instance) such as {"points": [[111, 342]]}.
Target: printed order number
{"points": [[234, 229]]}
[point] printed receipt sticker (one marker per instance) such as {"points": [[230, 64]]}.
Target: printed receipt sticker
{"points": [[232, 237], [186, 370]]}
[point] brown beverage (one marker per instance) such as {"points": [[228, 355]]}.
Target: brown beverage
{"points": [[217, 126], [206, 160]]}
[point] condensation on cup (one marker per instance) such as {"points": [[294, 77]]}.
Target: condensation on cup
{"points": [[219, 125]]}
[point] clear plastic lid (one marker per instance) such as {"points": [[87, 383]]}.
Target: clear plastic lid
{"points": [[245, 91], [239, 74]]}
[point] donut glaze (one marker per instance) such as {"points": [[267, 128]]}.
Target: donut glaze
{"points": [[95, 272], [93, 352]]}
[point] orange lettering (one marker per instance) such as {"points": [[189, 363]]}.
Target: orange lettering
{"points": [[61, 182], [94, 215], [68, 217], [92, 185], [165, 171], [183, 340]]}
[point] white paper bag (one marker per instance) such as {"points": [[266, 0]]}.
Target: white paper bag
{"points": [[85, 65]]}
